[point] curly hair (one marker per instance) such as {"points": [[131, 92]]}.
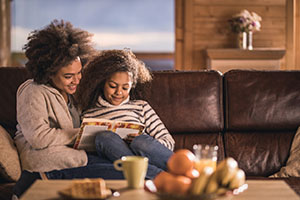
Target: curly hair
{"points": [[102, 67], [54, 47]]}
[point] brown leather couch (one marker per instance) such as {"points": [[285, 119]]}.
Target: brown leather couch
{"points": [[251, 115]]}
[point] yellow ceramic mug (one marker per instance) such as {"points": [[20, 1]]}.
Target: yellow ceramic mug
{"points": [[134, 169]]}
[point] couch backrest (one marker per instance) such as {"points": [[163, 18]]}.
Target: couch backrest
{"points": [[262, 110], [10, 79], [191, 106]]}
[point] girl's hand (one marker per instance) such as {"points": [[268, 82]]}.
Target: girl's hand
{"points": [[130, 137]]}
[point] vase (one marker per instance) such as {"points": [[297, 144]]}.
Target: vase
{"points": [[242, 40], [250, 40]]}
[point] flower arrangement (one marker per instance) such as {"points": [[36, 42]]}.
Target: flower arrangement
{"points": [[245, 22]]}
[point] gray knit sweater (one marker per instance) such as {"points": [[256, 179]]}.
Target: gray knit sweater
{"points": [[45, 130]]}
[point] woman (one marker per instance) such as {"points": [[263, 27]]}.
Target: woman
{"points": [[112, 86], [48, 121]]}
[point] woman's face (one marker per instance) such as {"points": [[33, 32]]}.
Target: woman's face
{"points": [[117, 88], [67, 78]]}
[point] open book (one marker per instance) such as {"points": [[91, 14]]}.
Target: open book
{"points": [[91, 126]]}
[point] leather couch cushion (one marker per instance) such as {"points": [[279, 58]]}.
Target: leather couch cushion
{"points": [[188, 141], [261, 118], [10, 79], [262, 100], [190, 105], [10, 167], [259, 153], [6, 191], [188, 102]]}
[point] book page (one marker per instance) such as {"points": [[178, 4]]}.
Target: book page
{"points": [[125, 128], [88, 141], [123, 132], [91, 126]]}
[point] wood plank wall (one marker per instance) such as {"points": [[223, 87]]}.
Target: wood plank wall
{"points": [[202, 24], [297, 33], [5, 33]]}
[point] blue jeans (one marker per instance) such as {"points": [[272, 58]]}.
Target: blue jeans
{"points": [[111, 146], [97, 167]]}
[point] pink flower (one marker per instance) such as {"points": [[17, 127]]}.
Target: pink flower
{"points": [[245, 22]]}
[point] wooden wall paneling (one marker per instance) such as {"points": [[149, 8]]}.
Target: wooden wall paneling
{"points": [[297, 33], [227, 10], [184, 35], [188, 35], [243, 2], [220, 27], [290, 36], [179, 33], [206, 26], [5, 33]]}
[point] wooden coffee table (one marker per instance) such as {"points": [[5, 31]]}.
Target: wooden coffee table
{"points": [[257, 189]]}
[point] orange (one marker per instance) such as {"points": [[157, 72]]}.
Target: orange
{"points": [[181, 162], [192, 173], [179, 185], [161, 179], [172, 184]]}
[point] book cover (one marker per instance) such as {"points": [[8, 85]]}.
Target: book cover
{"points": [[91, 126]]}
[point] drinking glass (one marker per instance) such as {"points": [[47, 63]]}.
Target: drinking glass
{"points": [[206, 156]]}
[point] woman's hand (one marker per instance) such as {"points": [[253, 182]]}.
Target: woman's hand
{"points": [[130, 137]]}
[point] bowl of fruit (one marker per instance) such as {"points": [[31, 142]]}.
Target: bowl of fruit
{"points": [[182, 181]]}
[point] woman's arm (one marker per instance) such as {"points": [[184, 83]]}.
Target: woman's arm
{"points": [[41, 120]]}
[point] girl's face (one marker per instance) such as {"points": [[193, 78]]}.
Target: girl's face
{"points": [[117, 88], [67, 78]]}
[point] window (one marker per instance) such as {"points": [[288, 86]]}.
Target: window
{"points": [[143, 26]]}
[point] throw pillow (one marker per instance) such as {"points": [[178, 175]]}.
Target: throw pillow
{"points": [[292, 167], [10, 167]]}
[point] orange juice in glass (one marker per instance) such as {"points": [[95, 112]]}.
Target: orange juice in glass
{"points": [[206, 156]]}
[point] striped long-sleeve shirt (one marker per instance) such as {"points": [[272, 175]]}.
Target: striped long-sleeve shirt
{"points": [[138, 111]]}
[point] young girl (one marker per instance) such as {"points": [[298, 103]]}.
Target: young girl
{"points": [[111, 87]]}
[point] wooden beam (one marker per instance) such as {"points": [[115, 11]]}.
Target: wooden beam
{"points": [[5, 32], [179, 34], [290, 35], [297, 39], [188, 35]]}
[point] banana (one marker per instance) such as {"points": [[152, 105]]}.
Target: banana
{"points": [[212, 184], [226, 170], [221, 191], [198, 184], [227, 176], [238, 180]]}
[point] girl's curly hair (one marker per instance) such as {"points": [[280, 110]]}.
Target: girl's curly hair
{"points": [[54, 47], [103, 67]]}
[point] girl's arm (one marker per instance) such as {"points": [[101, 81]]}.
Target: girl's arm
{"points": [[156, 128]]}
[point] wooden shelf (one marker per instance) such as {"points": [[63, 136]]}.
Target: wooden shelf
{"points": [[258, 59]]}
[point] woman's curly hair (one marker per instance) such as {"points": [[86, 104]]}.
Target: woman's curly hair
{"points": [[102, 67], [54, 47]]}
